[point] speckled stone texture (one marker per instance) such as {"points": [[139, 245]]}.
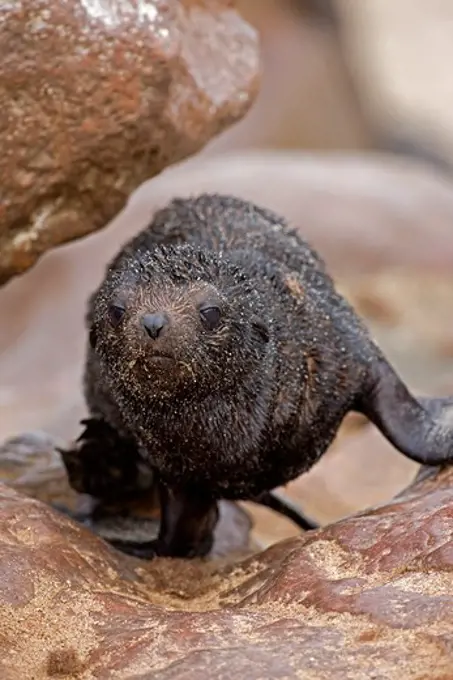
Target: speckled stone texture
{"points": [[370, 597], [97, 96]]}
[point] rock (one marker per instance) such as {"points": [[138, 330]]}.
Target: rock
{"points": [[300, 50], [362, 211], [31, 464], [398, 55], [97, 97], [368, 597], [406, 314]]}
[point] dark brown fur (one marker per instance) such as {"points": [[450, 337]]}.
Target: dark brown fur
{"points": [[239, 409]]}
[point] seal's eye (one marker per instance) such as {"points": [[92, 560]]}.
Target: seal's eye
{"points": [[116, 313], [210, 316]]}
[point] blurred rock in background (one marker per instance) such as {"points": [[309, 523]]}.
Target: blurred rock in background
{"points": [[307, 98], [398, 55]]}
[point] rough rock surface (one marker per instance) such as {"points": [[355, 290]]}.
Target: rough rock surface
{"points": [[96, 97], [368, 597]]}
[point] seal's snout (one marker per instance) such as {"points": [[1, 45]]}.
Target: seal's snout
{"points": [[154, 324]]}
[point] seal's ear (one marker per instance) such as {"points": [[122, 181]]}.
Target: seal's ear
{"points": [[260, 329], [421, 428]]}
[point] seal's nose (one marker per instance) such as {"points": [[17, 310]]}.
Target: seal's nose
{"points": [[154, 323]]}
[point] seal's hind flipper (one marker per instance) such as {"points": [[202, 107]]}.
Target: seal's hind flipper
{"points": [[421, 429], [284, 506]]}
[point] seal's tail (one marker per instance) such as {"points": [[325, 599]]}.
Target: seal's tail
{"points": [[422, 429]]}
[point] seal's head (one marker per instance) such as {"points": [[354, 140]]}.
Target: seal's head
{"points": [[178, 317]]}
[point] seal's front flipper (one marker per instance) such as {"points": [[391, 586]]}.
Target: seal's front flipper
{"points": [[188, 521], [421, 429], [106, 465]]}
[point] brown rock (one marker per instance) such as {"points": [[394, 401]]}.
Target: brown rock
{"points": [[359, 471], [369, 597], [97, 97]]}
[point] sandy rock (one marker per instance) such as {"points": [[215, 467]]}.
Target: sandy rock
{"points": [[97, 97], [368, 597]]}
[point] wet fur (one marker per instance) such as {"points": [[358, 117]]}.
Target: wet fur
{"points": [[255, 403]]}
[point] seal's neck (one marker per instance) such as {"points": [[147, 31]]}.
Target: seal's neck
{"points": [[232, 419]]}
